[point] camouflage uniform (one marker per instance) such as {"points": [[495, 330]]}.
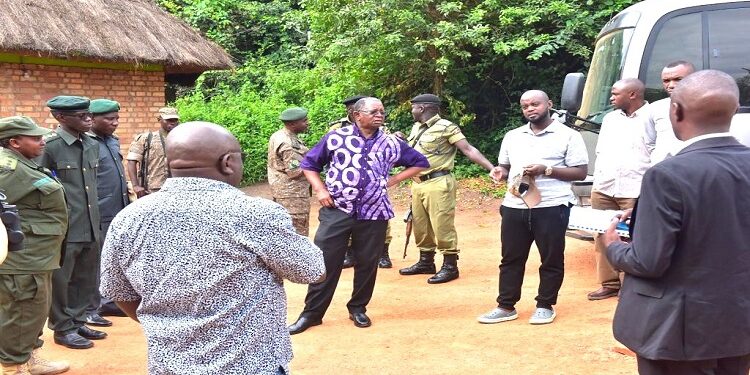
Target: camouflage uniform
{"points": [[288, 184], [158, 170]]}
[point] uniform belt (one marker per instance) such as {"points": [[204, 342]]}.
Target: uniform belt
{"points": [[432, 175]]}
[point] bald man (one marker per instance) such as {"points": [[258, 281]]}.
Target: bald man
{"points": [[622, 157], [684, 306], [554, 155], [200, 264]]}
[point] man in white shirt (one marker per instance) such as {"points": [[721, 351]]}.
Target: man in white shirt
{"points": [[659, 127], [622, 157]]}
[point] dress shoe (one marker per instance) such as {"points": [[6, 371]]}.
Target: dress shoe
{"points": [[72, 340], [97, 320], [41, 366], [602, 293], [360, 320], [106, 310], [91, 334], [302, 324]]}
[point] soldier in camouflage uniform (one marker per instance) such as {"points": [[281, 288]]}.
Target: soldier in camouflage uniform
{"points": [[26, 275], [385, 259], [285, 152], [73, 157], [147, 162]]}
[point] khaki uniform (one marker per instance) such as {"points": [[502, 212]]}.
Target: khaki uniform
{"points": [[288, 184], [434, 200], [158, 170], [26, 275], [75, 163]]}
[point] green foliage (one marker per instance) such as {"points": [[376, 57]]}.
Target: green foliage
{"points": [[478, 55]]}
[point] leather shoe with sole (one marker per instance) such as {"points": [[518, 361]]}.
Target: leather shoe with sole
{"points": [[602, 293], [97, 320], [360, 320], [302, 324], [72, 340], [91, 334]]}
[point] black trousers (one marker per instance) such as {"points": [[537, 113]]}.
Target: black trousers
{"points": [[519, 228], [720, 366], [73, 286], [368, 239]]}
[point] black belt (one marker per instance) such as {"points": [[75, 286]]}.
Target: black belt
{"points": [[432, 175]]}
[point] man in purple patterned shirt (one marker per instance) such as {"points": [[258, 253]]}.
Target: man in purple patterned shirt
{"points": [[354, 203]]}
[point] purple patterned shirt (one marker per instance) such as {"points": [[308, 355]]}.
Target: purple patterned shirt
{"points": [[358, 169]]}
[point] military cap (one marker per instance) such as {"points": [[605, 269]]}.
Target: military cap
{"points": [[293, 114], [168, 113], [100, 106], [20, 125], [68, 103], [352, 99], [426, 98]]}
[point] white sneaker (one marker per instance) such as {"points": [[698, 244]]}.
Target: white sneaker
{"points": [[498, 315], [542, 316], [40, 366]]}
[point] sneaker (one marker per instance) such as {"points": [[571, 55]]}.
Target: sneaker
{"points": [[498, 315], [542, 316], [40, 366]]}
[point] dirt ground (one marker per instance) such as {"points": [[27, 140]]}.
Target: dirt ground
{"points": [[425, 329]]}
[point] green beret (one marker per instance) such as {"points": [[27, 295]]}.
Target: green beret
{"points": [[20, 125], [426, 98], [101, 106], [68, 103], [293, 114], [352, 99]]}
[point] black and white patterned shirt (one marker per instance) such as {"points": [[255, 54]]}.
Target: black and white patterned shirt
{"points": [[207, 262]]}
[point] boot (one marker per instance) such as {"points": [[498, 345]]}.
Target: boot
{"points": [[14, 369], [41, 366], [448, 272], [425, 265], [348, 259], [385, 259]]}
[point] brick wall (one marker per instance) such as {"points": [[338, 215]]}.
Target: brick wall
{"points": [[25, 88]]}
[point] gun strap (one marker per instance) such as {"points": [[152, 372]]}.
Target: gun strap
{"points": [[144, 162], [414, 142], [164, 150]]}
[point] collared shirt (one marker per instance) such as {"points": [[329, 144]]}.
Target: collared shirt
{"points": [[622, 154], [157, 160], [285, 153], [75, 161], [436, 143], [40, 200], [556, 146], [358, 169], [110, 178], [690, 141], [207, 263], [660, 129]]}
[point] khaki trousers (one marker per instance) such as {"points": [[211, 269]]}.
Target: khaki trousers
{"points": [[433, 207], [606, 274]]}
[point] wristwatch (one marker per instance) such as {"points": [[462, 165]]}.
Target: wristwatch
{"points": [[548, 171]]}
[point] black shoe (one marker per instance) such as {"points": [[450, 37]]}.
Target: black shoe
{"points": [[91, 334], [360, 320], [72, 340], [425, 265], [385, 259], [448, 272], [107, 310], [302, 324], [97, 320]]}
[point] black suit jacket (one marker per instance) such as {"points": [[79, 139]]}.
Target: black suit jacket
{"points": [[686, 293]]}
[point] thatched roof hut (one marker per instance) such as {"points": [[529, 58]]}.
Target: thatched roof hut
{"points": [[129, 31]]}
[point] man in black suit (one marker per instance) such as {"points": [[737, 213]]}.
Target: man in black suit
{"points": [[684, 306]]}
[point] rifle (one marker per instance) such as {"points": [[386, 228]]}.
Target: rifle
{"points": [[407, 220], [144, 163]]}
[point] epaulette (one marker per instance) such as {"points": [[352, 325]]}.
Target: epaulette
{"points": [[444, 122], [51, 137], [8, 164]]}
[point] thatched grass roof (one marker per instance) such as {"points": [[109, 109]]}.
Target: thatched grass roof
{"points": [[133, 31]]}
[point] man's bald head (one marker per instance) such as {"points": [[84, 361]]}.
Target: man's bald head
{"points": [[632, 85], [704, 102], [204, 149], [535, 94], [627, 95]]}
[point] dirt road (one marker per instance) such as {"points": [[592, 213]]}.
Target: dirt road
{"points": [[426, 329]]}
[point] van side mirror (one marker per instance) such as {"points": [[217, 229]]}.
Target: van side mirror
{"points": [[572, 92]]}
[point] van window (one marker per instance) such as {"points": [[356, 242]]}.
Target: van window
{"points": [[729, 46], [680, 38]]}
